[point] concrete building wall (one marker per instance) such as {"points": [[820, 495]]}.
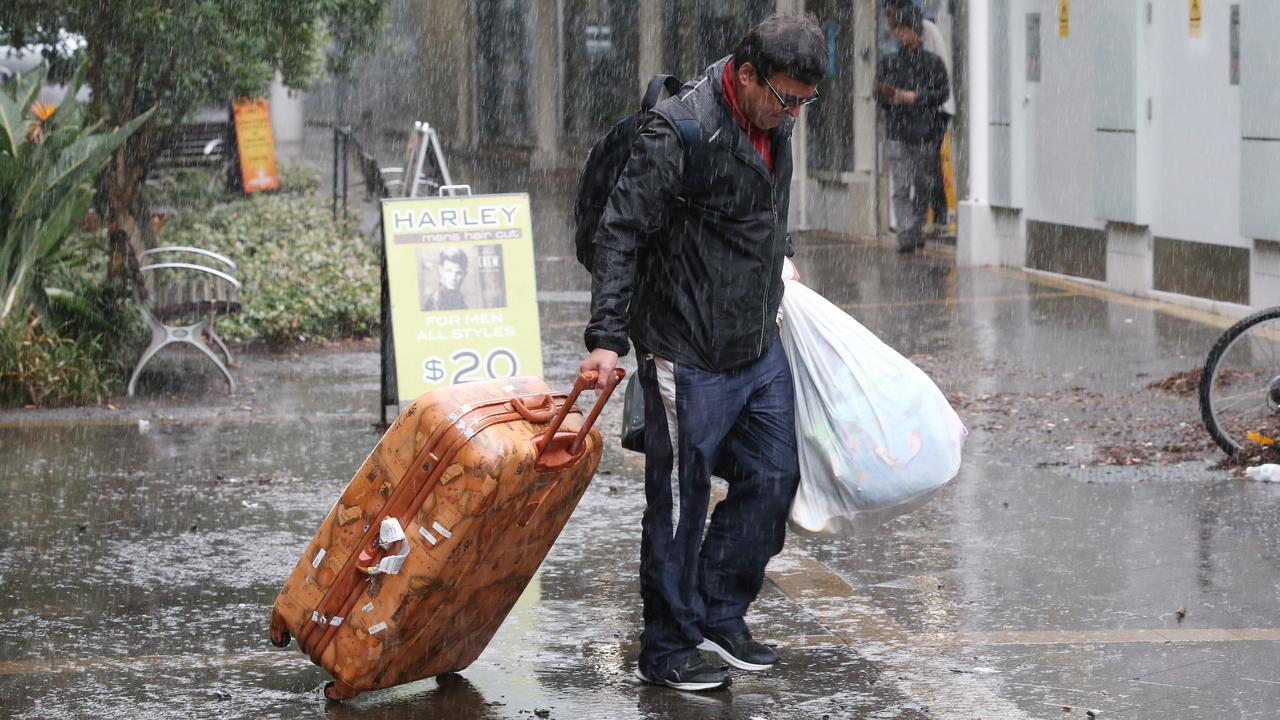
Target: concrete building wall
{"points": [[1123, 150]]}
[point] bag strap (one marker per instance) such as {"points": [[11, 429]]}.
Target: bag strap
{"points": [[695, 156], [656, 85]]}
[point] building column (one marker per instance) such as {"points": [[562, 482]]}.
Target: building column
{"points": [[865, 111], [864, 185], [976, 242], [650, 61], [447, 47], [548, 79], [286, 114]]}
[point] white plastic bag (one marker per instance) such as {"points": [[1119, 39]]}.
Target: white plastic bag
{"points": [[876, 437]]}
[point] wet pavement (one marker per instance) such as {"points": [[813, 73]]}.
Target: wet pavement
{"points": [[141, 545]]}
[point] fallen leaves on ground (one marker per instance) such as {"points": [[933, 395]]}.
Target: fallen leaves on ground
{"points": [[1186, 382]]}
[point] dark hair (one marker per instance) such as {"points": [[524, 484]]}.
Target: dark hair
{"points": [[896, 5], [793, 46], [457, 256], [911, 17]]}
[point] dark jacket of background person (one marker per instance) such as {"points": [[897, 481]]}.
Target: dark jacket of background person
{"points": [[706, 292], [925, 74]]}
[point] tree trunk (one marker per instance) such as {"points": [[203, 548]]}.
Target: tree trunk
{"points": [[123, 234], [128, 226]]}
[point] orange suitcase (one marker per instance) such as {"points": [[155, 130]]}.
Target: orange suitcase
{"points": [[436, 536]]}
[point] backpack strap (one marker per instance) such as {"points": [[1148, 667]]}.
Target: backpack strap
{"points": [[656, 85], [695, 152], [696, 167]]}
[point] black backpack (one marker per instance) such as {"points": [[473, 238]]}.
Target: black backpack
{"points": [[609, 155]]}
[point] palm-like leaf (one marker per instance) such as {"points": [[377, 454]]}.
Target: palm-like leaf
{"points": [[45, 187], [84, 152], [13, 124]]}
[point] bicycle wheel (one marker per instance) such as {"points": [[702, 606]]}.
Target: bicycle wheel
{"points": [[1240, 385]]}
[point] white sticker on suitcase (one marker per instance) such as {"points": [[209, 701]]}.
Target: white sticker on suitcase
{"points": [[377, 628], [319, 558], [388, 534], [430, 538], [437, 527], [367, 607], [336, 621]]}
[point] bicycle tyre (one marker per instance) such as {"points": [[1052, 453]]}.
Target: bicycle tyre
{"points": [[1224, 342]]}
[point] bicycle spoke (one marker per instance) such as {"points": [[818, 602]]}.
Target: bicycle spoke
{"points": [[1232, 400]]}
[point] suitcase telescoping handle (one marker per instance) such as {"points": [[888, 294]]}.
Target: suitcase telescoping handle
{"points": [[556, 449]]}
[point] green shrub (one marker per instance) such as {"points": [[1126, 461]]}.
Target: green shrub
{"points": [[182, 190], [306, 277], [42, 367], [85, 307], [185, 190], [298, 178]]}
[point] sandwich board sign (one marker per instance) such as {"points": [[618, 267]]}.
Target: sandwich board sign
{"points": [[462, 289]]}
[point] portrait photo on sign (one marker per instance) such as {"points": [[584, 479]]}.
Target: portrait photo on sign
{"points": [[461, 277]]}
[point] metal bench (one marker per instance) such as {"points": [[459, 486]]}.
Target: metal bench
{"points": [[182, 300]]}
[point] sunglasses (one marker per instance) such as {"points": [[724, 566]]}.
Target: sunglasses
{"points": [[791, 101]]}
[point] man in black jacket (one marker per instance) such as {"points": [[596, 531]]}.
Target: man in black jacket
{"points": [[700, 301], [911, 84]]}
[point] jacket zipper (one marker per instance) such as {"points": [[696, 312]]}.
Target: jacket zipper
{"points": [[773, 200], [773, 244]]}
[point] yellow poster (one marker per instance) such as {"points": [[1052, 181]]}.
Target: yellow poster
{"points": [[1194, 19], [464, 301], [1064, 18], [257, 149]]}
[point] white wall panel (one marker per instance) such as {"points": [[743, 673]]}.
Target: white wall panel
{"points": [[1260, 119], [1118, 94], [1059, 117], [1195, 127]]}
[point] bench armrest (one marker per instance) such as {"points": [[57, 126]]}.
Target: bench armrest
{"points": [[191, 266], [187, 249]]}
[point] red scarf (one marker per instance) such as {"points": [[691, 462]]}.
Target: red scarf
{"points": [[759, 138]]}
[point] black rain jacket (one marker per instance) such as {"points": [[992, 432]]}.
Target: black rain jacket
{"points": [[691, 268], [924, 73]]}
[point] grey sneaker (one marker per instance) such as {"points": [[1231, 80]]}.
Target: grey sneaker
{"points": [[694, 674], [739, 650]]}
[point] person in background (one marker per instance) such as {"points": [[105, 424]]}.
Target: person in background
{"points": [[933, 42], [911, 85]]}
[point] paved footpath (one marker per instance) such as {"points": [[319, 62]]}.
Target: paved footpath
{"points": [[141, 544]]}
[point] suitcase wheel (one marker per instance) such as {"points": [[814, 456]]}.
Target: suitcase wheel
{"points": [[333, 692], [277, 630], [283, 640]]}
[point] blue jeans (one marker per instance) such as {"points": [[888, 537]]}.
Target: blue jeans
{"points": [[739, 425]]}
